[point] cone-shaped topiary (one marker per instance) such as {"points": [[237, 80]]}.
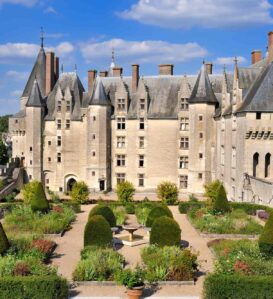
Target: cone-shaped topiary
{"points": [[4, 243], [156, 213], [221, 204], [106, 212], [97, 232], [38, 202], [165, 232], [266, 237]]}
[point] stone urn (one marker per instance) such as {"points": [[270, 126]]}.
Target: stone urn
{"points": [[135, 293]]}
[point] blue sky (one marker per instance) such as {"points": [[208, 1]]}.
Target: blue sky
{"points": [[148, 32]]}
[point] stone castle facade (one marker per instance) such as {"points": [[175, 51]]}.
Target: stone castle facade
{"points": [[185, 129]]}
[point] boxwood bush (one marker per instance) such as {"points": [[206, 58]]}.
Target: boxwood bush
{"points": [[38, 202], [104, 211], [125, 192], [157, 212], [221, 204], [221, 286], [97, 232], [266, 237], [165, 232], [33, 287]]}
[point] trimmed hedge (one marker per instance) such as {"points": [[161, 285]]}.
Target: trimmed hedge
{"points": [[221, 204], [221, 286], [249, 208], [186, 206], [156, 213], [39, 203], [165, 232], [106, 212], [33, 287], [97, 232], [266, 237]]}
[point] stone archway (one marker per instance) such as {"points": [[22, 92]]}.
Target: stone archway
{"points": [[70, 184]]}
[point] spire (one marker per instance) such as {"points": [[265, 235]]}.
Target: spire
{"points": [[202, 91], [113, 63], [42, 37], [99, 96], [236, 70], [35, 99]]}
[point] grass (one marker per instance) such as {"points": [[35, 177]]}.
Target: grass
{"points": [[23, 220], [236, 222], [241, 257], [120, 213]]}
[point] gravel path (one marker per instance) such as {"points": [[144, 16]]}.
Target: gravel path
{"points": [[68, 254]]}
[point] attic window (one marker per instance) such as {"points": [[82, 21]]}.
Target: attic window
{"points": [[59, 107], [258, 115], [121, 105], [67, 106], [142, 104], [184, 105], [59, 124], [67, 124], [141, 124]]}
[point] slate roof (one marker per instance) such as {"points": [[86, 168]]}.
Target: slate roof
{"points": [[99, 96], [35, 98], [247, 76], [202, 91], [38, 72]]}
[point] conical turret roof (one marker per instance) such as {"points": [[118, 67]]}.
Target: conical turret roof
{"points": [[99, 96], [35, 98]]}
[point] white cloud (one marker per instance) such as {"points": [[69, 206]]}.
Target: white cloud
{"points": [[18, 76], [16, 93], [50, 9], [11, 50], [28, 3], [229, 60], [205, 13], [149, 51], [64, 48]]}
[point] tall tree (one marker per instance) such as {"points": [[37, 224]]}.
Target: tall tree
{"points": [[3, 153]]}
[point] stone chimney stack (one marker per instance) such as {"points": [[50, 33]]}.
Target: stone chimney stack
{"points": [[135, 77], [103, 73], [209, 67], [117, 71], [56, 68], [91, 78], [166, 69], [256, 56], [270, 46], [50, 74]]}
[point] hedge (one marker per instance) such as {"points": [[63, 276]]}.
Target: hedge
{"points": [[249, 208], [221, 204], [4, 242], [104, 211], [266, 237], [33, 287], [186, 206], [221, 286], [156, 213]]}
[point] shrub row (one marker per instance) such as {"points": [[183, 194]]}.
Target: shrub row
{"points": [[186, 206], [222, 286], [249, 208], [33, 287]]}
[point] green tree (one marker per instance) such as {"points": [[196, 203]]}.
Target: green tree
{"points": [[4, 123], [266, 237], [4, 158], [39, 202], [167, 192], [80, 192], [221, 204], [211, 190], [125, 191], [4, 243]]}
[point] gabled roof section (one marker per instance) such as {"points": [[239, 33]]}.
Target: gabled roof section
{"points": [[247, 76], [202, 91], [38, 72], [99, 96], [35, 98], [260, 95]]}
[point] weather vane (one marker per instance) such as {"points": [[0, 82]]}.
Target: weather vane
{"points": [[42, 37]]}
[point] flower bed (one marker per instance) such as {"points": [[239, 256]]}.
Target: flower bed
{"points": [[23, 220], [235, 222]]}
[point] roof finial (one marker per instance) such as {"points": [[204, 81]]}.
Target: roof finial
{"points": [[113, 55], [225, 68], [75, 68], [204, 61], [62, 68], [236, 60], [42, 37]]}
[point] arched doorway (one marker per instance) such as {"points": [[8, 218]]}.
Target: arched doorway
{"points": [[267, 165], [255, 163], [70, 184]]}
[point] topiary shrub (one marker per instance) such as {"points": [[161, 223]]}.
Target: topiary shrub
{"points": [[4, 243], [165, 232], [125, 192], [38, 202], [167, 192], [211, 190], [29, 191], [130, 208], [156, 213], [266, 238], [221, 204], [106, 212], [80, 192], [97, 232]]}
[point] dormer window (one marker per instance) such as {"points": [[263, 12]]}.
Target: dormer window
{"points": [[121, 105], [59, 107], [67, 106], [142, 105], [184, 105]]}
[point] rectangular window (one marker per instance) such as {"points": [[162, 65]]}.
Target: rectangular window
{"points": [[120, 160], [67, 106], [184, 142], [141, 180], [183, 181], [200, 176], [94, 154], [121, 123], [49, 143], [201, 135], [258, 115], [67, 124], [142, 104], [94, 118], [49, 159], [184, 124], [94, 136], [59, 157], [59, 124], [120, 141], [121, 105], [141, 123], [200, 156], [93, 173], [30, 162], [120, 178], [59, 141], [141, 142], [141, 161], [200, 117], [183, 162], [184, 105], [30, 148], [59, 107]]}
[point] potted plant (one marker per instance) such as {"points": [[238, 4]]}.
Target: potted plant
{"points": [[133, 280]]}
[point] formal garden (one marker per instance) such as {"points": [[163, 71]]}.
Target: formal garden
{"points": [[239, 238]]}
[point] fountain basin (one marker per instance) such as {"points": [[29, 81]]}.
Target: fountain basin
{"points": [[126, 239]]}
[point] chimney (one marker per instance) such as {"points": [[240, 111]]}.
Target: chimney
{"points": [[49, 72], [117, 71], [135, 77], [56, 68], [270, 46], [91, 79], [209, 67], [166, 69], [103, 73], [256, 56]]}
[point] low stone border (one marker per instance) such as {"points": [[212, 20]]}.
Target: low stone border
{"points": [[112, 283], [176, 283], [55, 235]]}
